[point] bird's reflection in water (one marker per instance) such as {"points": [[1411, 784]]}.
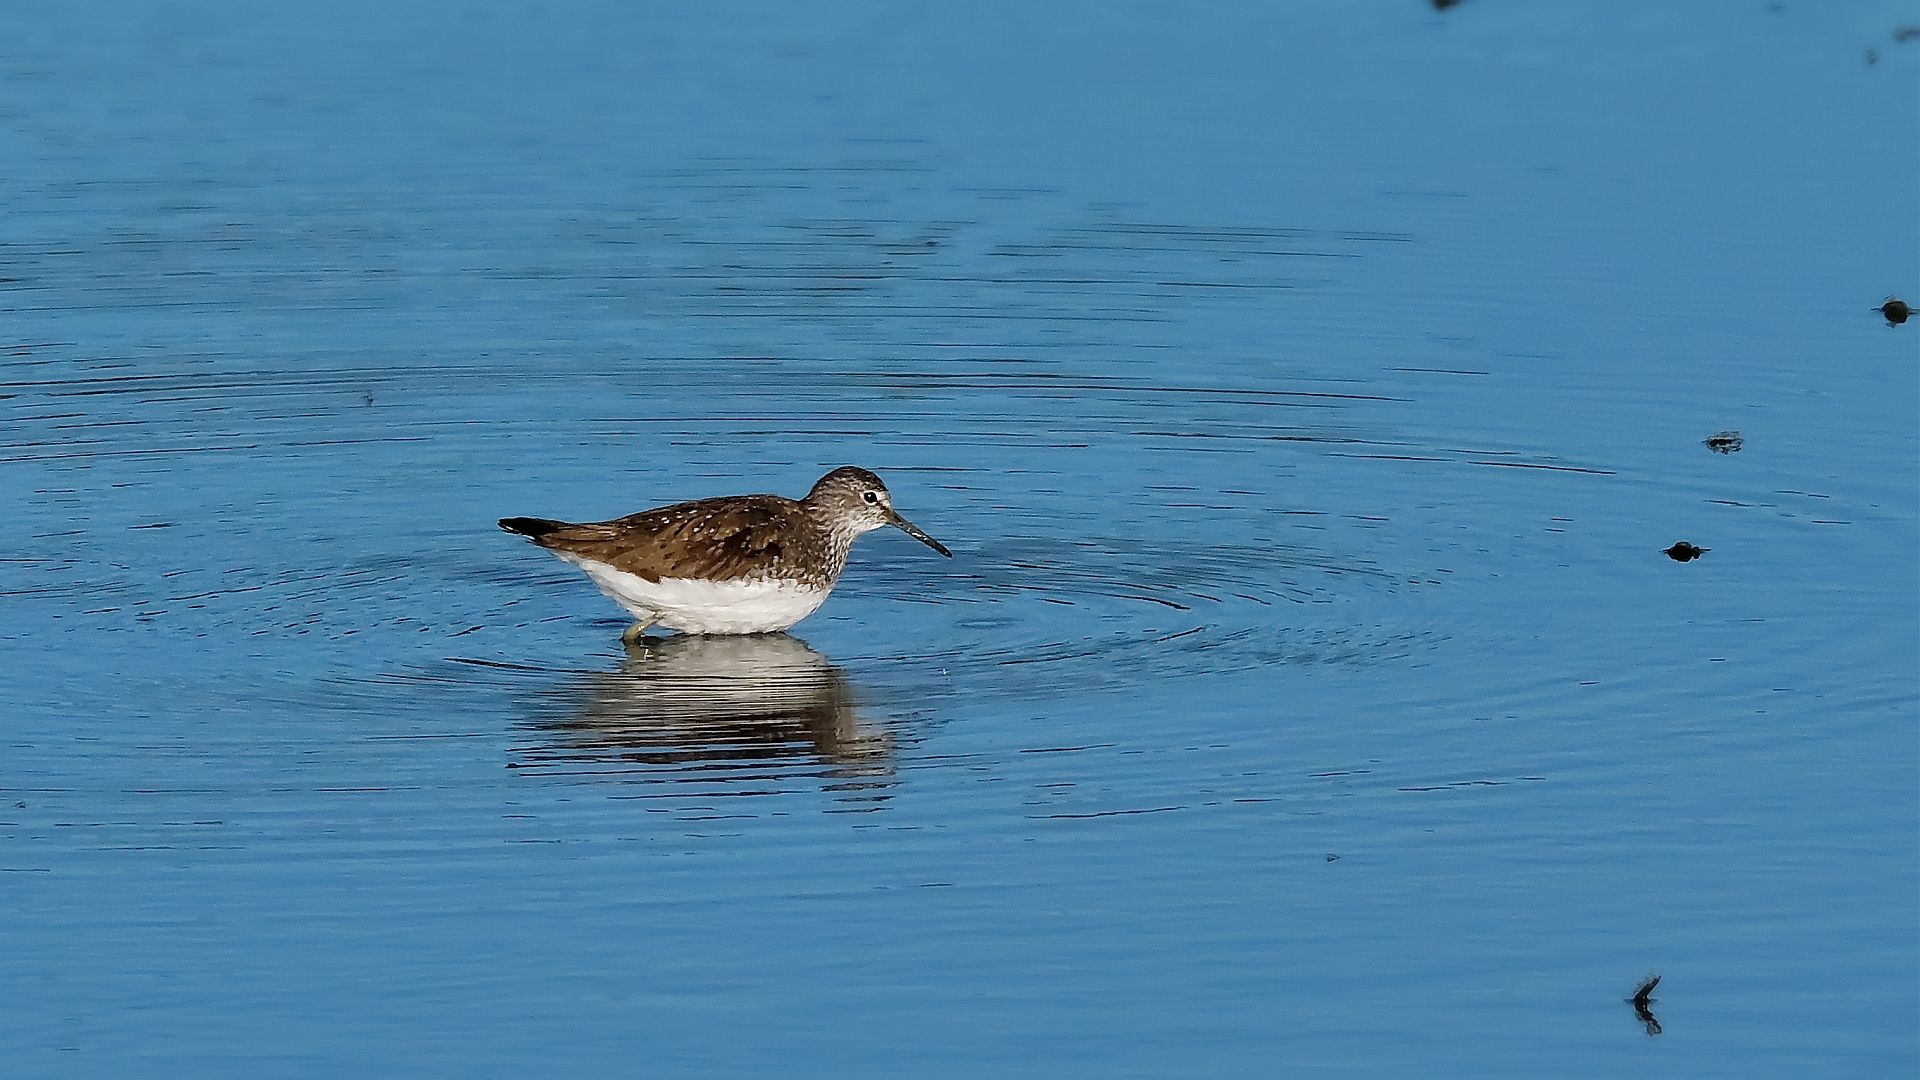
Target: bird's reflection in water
{"points": [[731, 715]]}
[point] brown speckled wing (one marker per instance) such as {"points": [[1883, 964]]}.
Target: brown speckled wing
{"points": [[711, 539]]}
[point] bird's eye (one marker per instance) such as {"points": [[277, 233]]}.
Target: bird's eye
{"points": [[872, 497]]}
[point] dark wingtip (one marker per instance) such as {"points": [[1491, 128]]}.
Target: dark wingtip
{"points": [[534, 527]]}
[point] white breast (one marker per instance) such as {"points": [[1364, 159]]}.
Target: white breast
{"points": [[705, 607]]}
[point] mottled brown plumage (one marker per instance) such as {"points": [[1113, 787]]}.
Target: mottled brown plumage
{"points": [[765, 545], [709, 539]]}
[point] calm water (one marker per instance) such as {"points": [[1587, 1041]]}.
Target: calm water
{"points": [[1307, 393]]}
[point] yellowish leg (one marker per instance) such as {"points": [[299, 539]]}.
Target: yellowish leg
{"points": [[631, 636]]}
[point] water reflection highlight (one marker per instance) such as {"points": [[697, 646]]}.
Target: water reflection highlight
{"points": [[745, 714]]}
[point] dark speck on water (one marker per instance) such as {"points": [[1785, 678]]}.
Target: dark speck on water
{"points": [[1643, 1004], [1685, 552], [1644, 993], [1895, 310], [1724, 442]]}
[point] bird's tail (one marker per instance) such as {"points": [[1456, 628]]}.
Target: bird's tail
{"points": [[533, 527]]}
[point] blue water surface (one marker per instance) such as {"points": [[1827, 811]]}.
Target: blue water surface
{"points": [[1307, 393]]}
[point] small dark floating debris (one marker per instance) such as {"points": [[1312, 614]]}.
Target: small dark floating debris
{"points": [[1685, 552], [1895, 311], [1724, 442], [1644, 993], [1442, 5], [1331, 857], [1642, 1004]]}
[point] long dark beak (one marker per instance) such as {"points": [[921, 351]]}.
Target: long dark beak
{"points": [[908, 528]]}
